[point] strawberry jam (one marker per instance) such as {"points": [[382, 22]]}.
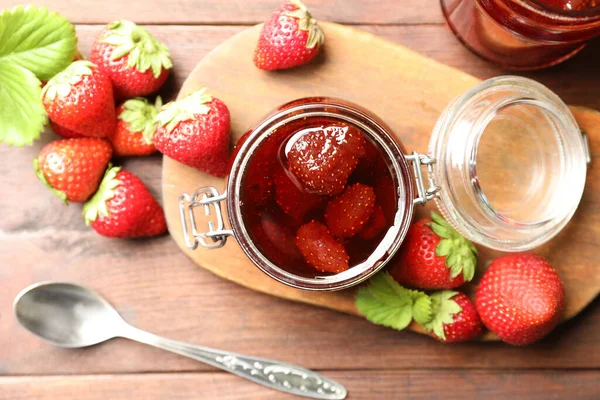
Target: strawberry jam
{"points": [[524, 34], [317, 196]]}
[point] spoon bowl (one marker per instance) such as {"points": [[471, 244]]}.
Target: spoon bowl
{"points": [[66, 315]]}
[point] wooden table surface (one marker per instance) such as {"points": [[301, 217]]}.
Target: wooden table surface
{"points": [[155, 287]]}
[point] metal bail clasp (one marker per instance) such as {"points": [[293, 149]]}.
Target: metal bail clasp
{"points": [[417, 161], [206, 197]]}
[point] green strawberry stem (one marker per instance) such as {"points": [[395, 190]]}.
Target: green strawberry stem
{"points": [[460, 253], [443, 309], [306, 22], [174, 112], [143, 49], [60, 194], [140, 116], [97, 204], [61, 83]]}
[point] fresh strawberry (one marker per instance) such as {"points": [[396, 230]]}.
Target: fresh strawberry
{"points": [[64, 132], [454, 318], [434, 256], [294, 200], [520, 298], [135, 61], [290, 37], [348, 213], [320, 249], [195, 132], [80, 99], [124, 208], [376, 224], [135, 127], [73, 168], [323, 158]]}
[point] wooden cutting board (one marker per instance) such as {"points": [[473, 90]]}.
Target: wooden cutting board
{"points": [[407, 90]]}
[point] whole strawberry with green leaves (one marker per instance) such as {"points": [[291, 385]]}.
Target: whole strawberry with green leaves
{"points": [[80, 99], [447, 316], [72, 168], [134, 135], [290, 37], [520, 298], [195, 132], [453, 317], [135, 61], [434, 256], [123, 207]]}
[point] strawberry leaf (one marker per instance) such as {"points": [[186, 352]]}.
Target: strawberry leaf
{"points": [[34, 44], [21, 111], [35, 39], [443, 309], [144, 51], [385, 302], [460, 253], [140, 116], [421, 308], [97, 204]]}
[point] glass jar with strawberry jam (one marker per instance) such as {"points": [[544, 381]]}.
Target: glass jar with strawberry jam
{"points": [[524, 34], [321, 194]]}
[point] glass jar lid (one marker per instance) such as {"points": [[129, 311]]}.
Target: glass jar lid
{"points": [[511, 163]]}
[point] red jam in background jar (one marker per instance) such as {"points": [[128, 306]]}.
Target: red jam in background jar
{"points": [[317, 197], [574, 5], [524, 34]]}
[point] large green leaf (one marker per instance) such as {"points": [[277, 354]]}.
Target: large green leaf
{"points": [[385, 302], [38, 40], [21, 110]]}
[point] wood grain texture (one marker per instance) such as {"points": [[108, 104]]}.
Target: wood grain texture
{"points": [[216, 12], [372, 385], [157, 288], [406, 90]]}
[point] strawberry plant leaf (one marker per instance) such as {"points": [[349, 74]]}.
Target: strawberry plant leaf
{"points": [[443, 309], [36, 39], [385, 302], [421, 309], [34, 44], [460, 253], [21, 111]]}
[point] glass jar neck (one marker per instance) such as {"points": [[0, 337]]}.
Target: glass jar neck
{"points": [[511, 164], [375, 131], [534, 20]]}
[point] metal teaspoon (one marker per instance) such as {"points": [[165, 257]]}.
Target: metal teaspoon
{"points": [[72, 316]]}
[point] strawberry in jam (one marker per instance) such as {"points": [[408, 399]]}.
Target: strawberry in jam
{"points": [[312, 197]]}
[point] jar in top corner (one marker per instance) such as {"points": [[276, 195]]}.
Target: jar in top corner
{"points": [[524, 34]]}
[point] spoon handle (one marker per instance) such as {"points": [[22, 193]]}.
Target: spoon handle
{"points": [[274, 374]]}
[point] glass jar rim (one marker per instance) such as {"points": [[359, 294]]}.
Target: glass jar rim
{"points": [[559, 15], [445, 151], [376, 131]]}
